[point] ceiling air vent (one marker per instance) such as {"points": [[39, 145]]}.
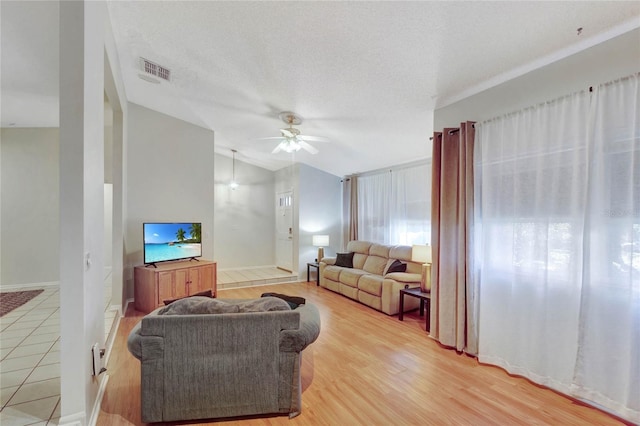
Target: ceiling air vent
{"points": [[155, 69]]}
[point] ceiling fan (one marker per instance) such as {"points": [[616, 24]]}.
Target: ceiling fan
{"points": [[291, 139]]}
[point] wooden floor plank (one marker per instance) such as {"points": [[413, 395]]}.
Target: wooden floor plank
{"points": [[369, 368]]}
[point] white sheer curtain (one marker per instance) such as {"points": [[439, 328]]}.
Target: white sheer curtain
{"points": [[394, 207], [373, 207], [608, 361], [410, 208], [559, 244]]}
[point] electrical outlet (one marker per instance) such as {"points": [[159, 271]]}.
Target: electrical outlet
{"points": [[97, 355]]}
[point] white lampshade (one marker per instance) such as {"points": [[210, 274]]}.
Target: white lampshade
{"points": [[320, 240], [421, 254]]}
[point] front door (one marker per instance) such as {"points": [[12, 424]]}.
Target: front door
{"points": [[284, 231]]}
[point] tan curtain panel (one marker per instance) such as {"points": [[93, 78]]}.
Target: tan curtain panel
{"points": [[353, 210], [349, 210], [453, 298]]}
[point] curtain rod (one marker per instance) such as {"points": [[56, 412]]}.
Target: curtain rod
{"points": [[454, 131]]}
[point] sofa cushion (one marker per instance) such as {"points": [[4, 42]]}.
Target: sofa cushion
{"points": [[379, 250], [359, 259], [371, 284], [350, 292], [332, 272], [344, 259], [401, 253], [198, 305], [375, 264], [370, 300], [361, 247], [331, 285], [350, 277]]}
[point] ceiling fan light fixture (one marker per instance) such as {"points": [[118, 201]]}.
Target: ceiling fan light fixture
{"points": [[290, 145], [291, 140]]}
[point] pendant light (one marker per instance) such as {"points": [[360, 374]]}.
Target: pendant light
{"points": [[233, 184]]}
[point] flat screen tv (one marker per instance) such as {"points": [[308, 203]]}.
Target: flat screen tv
{"points": [[171, 241]]}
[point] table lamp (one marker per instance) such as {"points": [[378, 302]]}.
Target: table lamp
{"points": [[320, 241], [422, 254]]}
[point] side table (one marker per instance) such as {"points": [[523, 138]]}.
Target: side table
{"points": [[425, 298], [317, 266]]}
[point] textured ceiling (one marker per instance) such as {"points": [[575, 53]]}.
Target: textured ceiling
{"points": [[366, 75]]}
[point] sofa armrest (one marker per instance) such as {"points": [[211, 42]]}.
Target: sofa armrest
{"points": [[328, 260], [404, 277], [307, 333], [134, 341]]}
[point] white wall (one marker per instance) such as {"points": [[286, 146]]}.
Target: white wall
{"points": [[244, 221], [601, 63], [108, 185], [108, 227], [117, 138], [81, 204], [30, 206], [170, 178], [108, 142], [319, 212]]}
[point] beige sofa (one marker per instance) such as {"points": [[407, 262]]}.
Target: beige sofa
{"points": [[368, 281]]}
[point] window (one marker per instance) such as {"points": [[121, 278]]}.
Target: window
{"points": [[394, 207]]}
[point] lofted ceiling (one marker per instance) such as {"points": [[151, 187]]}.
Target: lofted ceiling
{"points": [[365, 75]]}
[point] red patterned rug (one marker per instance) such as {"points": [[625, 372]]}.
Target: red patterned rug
{"points": [[11, 300]]}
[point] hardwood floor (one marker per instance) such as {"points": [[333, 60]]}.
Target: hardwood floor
{"points": [[369, 368]]}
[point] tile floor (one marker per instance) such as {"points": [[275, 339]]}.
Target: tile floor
{"points": [[30, 348], [30, 362], [233, 278], [30, 359]]}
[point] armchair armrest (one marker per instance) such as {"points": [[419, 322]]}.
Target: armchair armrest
{"points": [[307, 333]]}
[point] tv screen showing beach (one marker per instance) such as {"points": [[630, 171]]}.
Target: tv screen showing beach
{"points": [[171, 241]]}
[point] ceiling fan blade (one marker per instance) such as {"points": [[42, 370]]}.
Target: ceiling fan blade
{"points": [[313, 138], [310, 149], [276, 138], [277, 149]]}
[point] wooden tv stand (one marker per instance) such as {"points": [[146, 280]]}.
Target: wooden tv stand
{"points": [[172, 280]]}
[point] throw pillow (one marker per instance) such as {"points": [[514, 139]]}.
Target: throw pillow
{"points": [[206, 293], [196, 305], [397, 266], [344, 259], [293, 301]]}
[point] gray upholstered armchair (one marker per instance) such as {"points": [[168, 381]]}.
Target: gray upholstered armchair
{"points": [[222, 365]]}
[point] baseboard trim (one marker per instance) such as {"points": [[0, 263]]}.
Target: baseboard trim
{"points": [[244, 268], [77, 419], [28, 286], [95, 413], [112, 336], [244, 284], [126, 305]]}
